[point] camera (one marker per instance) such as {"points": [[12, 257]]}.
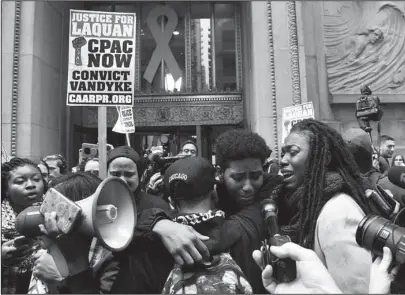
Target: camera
{"points": [[375, 232], [90, 150], [284, 270], [368, 109], [151, 180]]}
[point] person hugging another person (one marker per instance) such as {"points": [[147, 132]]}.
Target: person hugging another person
{"points": [[22, 185], [190, 183], [322, 201], [243, 184]]}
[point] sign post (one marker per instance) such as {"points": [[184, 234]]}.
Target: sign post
{"points": [[125, 123], [101, 66], [102, 141]]}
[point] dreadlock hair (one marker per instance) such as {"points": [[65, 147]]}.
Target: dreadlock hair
{"points": [[10, 166], [328, 152], [238, 144]]}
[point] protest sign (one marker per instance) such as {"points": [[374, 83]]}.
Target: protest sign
{"points": [[125, 122], [294, 114], [101, 58]]}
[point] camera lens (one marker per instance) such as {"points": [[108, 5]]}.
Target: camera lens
{"points": [[86, 151], [375, 232]]}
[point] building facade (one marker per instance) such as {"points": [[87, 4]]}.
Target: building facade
{"points": [[237, 64]]}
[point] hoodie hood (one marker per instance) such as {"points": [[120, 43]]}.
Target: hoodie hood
{"points": [[359, 144]]}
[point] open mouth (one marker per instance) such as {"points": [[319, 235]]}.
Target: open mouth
{"points": [[287, 174]]}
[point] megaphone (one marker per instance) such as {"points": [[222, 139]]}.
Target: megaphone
{"points": [[109, 214]]}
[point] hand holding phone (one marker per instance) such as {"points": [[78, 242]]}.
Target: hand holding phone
{"points": [[14, 251], [21, 241]]}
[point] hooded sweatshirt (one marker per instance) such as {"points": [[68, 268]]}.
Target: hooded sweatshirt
{"points": [[216, 276]]}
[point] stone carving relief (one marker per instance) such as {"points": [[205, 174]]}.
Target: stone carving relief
{"points": [[365, 44], [186, 115]]}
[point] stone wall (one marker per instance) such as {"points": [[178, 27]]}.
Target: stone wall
{"points": [[351, 43], [41, 115]]}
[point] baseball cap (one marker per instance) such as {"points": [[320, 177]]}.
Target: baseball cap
{"points": [[196, 175]]}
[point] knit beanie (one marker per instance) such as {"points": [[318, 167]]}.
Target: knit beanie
{"points": [[123, 151]]}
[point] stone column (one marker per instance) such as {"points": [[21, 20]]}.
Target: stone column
{"points": [[258, 71], [7, 46], [41, 111], [274, 66]]}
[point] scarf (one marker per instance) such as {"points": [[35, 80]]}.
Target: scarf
{"points": [[11, 274], [8, 232], [291, 207]]}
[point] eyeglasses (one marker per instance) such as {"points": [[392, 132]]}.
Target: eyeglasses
{"points": [[189, 151]]}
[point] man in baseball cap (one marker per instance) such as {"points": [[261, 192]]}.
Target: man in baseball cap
{"points": [[190, 184]]}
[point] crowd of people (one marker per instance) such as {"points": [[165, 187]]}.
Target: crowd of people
{"points": [[200, 228]]}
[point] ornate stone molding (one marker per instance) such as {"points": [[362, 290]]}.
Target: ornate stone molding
{"points": [[177, 111], [238, 45], [189, 115], [272, 77], [187, 45], [187, 98], [16, 65], [294, 54]]}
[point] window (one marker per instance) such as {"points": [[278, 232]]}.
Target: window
{"points": [[201, 75], [212, 41], [162, 79], [225, 45]]}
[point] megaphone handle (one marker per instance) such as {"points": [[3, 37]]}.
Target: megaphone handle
{"points": [[59, 259]]}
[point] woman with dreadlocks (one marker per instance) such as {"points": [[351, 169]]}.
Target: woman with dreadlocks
{"points": [[22, 185], [322, 201]]}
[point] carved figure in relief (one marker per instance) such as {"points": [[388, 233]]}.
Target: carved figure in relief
{"points": [[357, 44], [365, 44]]}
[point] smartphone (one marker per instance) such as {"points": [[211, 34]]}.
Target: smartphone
{"points": [[21, 241], [68, 212]]}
